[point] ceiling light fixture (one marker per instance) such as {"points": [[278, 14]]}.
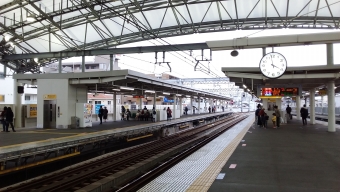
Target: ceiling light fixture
{"points": [[166, 93], [149, 91], [127, 88], [178, 95], [31, 18], [116, 89], [7, 37]]}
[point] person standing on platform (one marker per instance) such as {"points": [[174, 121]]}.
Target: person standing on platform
{"points": [[3, 119], [128, 114], [257, 114], [169, 114], [289, 110], [186, 110], [223, 108], [100, 114], [9, 119], [274, 120], [105, 112], [193, 109], [209, 109], [154, 114], [304, 114], [122, 113], [278, 116], [259, 117]]}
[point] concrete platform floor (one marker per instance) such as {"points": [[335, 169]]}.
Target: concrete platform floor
{"points": [[25, 135], [294, 158]]}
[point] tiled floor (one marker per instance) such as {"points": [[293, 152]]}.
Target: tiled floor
{"points": [[198, 171]]}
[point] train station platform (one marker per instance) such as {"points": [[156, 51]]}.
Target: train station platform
{"points": [[248, 158], [28, 142]]}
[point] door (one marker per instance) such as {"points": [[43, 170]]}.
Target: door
{"points": [[49, 114]]}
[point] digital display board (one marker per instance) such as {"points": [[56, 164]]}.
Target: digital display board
{"points": [[294, 91]]}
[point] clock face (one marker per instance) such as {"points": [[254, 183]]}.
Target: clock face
{"points": [[273, 65]]}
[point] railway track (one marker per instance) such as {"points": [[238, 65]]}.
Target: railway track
{"points": [[82, 176]]}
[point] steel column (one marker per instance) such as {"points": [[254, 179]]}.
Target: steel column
{"points": [[312, 106], [114, 106], [330, 58], [331, 107]]}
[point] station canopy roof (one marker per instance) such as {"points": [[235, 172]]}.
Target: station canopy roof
{"points": [[35, 26], [124, 82]]}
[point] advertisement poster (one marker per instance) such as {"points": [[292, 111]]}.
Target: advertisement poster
{"points": [[87, 112], [33, 110]]}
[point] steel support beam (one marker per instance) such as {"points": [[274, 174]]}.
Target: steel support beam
{"points": [[128, 50]]}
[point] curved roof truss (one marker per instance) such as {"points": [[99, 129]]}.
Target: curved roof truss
{"points": [[64, 25]]}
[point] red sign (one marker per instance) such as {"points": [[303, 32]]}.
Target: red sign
{"points": [[138, 96]]}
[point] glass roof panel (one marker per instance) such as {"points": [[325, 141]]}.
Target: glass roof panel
{"points": [[183, 15], [169, 19], [114, 27], [212, 14], [155, 22], [41, 44], [228, 8], [196, 11], [324, 11], [297, 6], [77, 33]]}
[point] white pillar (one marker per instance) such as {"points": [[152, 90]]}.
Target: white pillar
{"points": [[83, 64], [298, 106], [174, 107], [199, 105], [205, 105], [312, 106], [330, 58], [17, 104], [114, 106], [60, 65], [322, 105], [140, 103], [180, 107], [331, 107], [191, 103]]}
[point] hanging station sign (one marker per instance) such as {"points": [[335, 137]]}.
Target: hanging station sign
{"points": [[283, 92]]}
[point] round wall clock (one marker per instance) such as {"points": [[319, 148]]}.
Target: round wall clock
{"points": [[273, 65]]}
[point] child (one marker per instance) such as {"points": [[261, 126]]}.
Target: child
{"points": [[274, 120], [266, 117]]}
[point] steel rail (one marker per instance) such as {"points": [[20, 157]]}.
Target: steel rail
{"points": [[88, 171], [144, 179]]}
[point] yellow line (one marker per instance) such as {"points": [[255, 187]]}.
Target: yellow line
{"points": [[38, 163], [48, 133], [136, 138]]}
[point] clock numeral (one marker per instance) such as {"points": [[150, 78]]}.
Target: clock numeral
{"points": [[264, 70], [278, 73], [263, 65], [281, 69], [268, 73], [264, 62], [273, 74], [283, 64], [281, 60]]}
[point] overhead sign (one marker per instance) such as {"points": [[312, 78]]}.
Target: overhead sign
{"points": [[2, 98], [166, 100], [33, 110], [138, 96], [323, 92], [294, 91], [50, 97]]}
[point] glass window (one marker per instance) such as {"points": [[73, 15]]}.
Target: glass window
{"points": [[109, 102], [27, 97], [97, 102], [90, 101]]}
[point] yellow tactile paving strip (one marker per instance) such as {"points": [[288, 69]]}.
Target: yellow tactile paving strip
{"points": [[205, 180]]}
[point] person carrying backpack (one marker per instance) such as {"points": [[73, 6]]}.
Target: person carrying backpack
{"points": [[304, 114]]}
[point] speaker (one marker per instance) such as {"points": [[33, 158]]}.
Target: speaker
{"points": [[20, 89]]}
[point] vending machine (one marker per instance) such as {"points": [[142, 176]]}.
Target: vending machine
{"points": [[84, 113]]}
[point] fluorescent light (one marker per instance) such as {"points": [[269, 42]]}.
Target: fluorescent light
{"points": [[248, 90], [116, 89], [188, 95], [244, 86], [178, 95], [30, 18], [149, 91], [165, 93], [36, 60], [7, 37], [127, 88], [195, 97]]}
